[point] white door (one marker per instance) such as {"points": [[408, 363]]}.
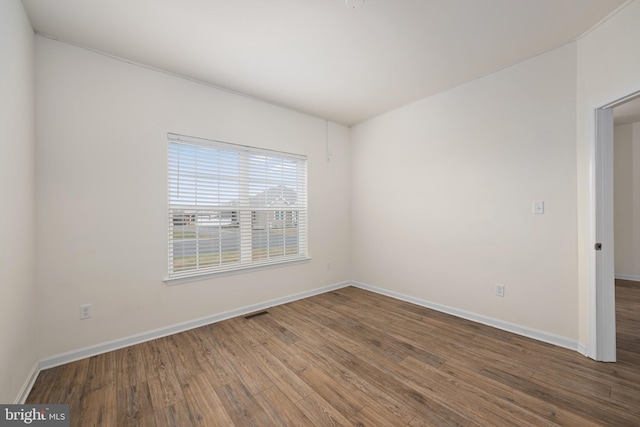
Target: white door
{"points": [[603, 317]]}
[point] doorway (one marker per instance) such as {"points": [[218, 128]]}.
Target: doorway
{"points": [[603, 320], [626, 149]]}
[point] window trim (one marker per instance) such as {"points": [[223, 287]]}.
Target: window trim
{"points": [[245, 249], [240, 270]]}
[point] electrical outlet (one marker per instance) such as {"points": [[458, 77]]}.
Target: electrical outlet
{"points": [[499, 290], [86, 311]]}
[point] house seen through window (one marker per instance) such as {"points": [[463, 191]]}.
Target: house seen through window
{"points": [[233, 207]]}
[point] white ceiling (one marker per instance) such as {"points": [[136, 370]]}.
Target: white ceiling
{"points": [[318, 56]]}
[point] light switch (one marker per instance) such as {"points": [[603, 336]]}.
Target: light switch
{"points": [[538, 207]]}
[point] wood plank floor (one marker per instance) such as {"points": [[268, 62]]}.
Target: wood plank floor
{"points": [[354, 358]]}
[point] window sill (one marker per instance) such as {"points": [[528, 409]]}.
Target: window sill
{"points": [[170, 281]]}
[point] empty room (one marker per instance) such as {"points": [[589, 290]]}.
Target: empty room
{"points": [[320, 212]]}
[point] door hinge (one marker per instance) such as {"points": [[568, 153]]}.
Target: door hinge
{"points": [[597, 246]]}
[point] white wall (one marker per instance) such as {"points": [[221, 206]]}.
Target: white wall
{"points": [[442, 194], [608, 70], [627, 200], [102, 196], [18, 308]]}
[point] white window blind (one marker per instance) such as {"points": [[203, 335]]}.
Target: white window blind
{"points": [[233, 207]]}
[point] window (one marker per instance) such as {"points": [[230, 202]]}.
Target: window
{"points": [[233, 207]]}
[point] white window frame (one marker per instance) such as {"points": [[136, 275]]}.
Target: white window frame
{"points": [[222, 208]]}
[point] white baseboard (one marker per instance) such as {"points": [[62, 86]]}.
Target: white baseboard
{"points": [[628, 277], [28, 384], [94, 350], [82, 353], [584, 350], [496, 323]]}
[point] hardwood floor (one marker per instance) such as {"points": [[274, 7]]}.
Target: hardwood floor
{"points": [[628, 321], [356, 358]]}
